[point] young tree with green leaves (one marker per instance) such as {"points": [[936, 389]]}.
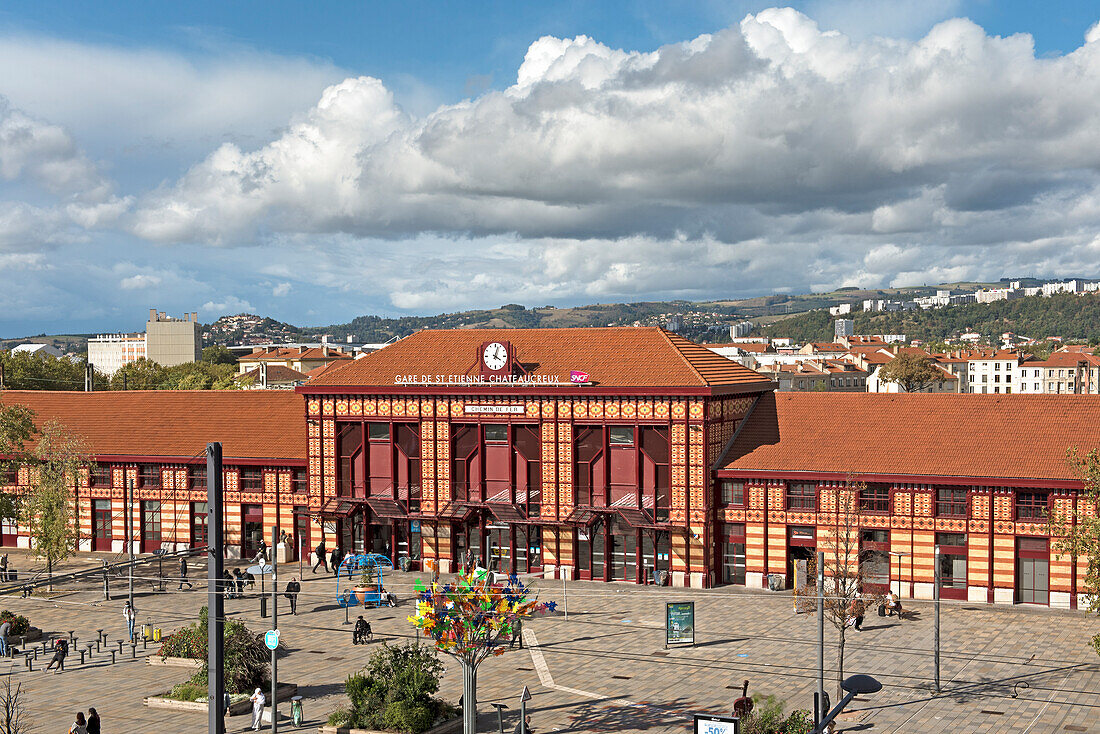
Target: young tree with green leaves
{"points": [[1076, 533], [16, 429], [47, 507], [911, 372]]}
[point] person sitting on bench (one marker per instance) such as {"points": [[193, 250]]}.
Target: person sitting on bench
{"points": [[893, 604], [361, 632]]}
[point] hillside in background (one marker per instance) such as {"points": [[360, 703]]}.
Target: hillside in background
{"points": [[1065, 315]]}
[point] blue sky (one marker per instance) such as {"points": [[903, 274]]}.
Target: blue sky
{"points": [[314, 162]]}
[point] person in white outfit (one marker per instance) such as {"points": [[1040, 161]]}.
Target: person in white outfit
{"points": [[258, 702]]}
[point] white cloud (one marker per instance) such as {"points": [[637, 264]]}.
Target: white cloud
{"points": [[139, 282], [227, 305], [281, 289]]}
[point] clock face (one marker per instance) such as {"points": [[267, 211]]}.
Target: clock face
{"points": [[495, 356]]}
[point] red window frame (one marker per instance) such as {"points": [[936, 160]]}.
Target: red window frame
{"points": [[874, 499], [149, 475], [731, 485], [99, 476], [952, 506], [1032, 506], [798, 498], [251, 479]]}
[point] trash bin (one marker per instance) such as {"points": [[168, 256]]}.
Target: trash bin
{"points": [[296, 710], [156, 634], [13, 575], [776, 582]]}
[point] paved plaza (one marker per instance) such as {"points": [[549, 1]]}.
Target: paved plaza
{"points": [[604, 668]]}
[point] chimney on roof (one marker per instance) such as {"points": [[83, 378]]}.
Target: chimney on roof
{"points": [[326, 351], [301, 350], [195, 316], [152, 314]]}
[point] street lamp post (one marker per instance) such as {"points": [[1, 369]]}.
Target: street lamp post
{"points": [[853, 685]]}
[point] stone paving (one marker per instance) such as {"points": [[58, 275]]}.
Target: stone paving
{"points": [[605, 667]]}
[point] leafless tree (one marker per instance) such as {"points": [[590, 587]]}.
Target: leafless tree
{"points": [[13, 714], [844, 579]]}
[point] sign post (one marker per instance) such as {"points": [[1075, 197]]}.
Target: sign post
{"points": [[679, 623], [707, 724]]}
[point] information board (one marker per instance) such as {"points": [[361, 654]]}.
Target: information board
{"points": [[707, 724], [679, 623]]}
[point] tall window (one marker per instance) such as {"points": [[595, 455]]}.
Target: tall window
{"points": [[299, 481], [874, 498], [252, 480], [732, 493], [1031, 506], [149, 475], [150, 525], [950, 502], [197, 475], [199, 520], [622, 435], [802, 496]]}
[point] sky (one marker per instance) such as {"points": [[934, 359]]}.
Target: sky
{"points": [[314, 162]]}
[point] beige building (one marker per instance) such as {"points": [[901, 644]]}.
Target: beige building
{"points": [[170, 341]]}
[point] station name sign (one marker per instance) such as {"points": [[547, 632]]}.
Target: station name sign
{"points": [[493, 409], [451, 380]]}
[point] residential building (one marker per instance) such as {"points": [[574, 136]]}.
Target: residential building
{"points": [[1063, 372], [45, 350], [108, 353], [843, 328], [273, 377], [301, 359], [740, 329], [840, 309], [991, 371], [170, 341]]}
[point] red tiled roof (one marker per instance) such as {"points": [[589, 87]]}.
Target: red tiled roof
{"points": [[279, 373], [950, 435], [281, 354], [251, 424], [613, 356], [1061, 359]]}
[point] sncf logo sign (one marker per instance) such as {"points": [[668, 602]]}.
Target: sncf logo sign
{"points": [[578, 377]]}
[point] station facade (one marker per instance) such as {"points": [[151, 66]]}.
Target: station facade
{"points": [[618, 454]]}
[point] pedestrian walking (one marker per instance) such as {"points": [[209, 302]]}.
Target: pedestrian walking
{"points": [[93, 721], [291, 594], [322, 559], [334, 561], [80, 726], [230, 586], [60, 651], [258, 702], [4, 567], [240, 581], [859, 608], [517, 634], [5, 630], [130, 615], [183, 574]]}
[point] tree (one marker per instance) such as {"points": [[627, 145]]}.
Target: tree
{"points": [[467, 620], [1077, 529], [46, 508], [13, 714], [218, 354], [16, 429], [27, 371], [843, 570], [911, 372], [141, 374]]}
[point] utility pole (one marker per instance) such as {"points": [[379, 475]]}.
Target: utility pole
{"points": [[215, 601], [936, 627], [274, 626], [820, 709], [130, 532]]}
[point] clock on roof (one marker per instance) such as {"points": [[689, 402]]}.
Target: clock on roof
{"points": [[496, 358]]}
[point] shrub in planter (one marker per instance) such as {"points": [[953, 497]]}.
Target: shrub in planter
{"points": [[395, 691], [19, 624], [767, 718], [246, 656]]}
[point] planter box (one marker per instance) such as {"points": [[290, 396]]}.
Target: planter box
{"points": [[286, 690], [175, 662], [447, 727]]}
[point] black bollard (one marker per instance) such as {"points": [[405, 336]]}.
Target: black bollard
{"points": [[133, 650], [113, 657], [120, 644], [81, 657], [72, 640]]}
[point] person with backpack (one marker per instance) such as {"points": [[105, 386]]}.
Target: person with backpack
{"points": [[322, 559], [183, 574], [60, 651], [130, 615]]}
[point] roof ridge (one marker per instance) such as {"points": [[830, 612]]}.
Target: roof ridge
{"points": [[668, 337]]}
